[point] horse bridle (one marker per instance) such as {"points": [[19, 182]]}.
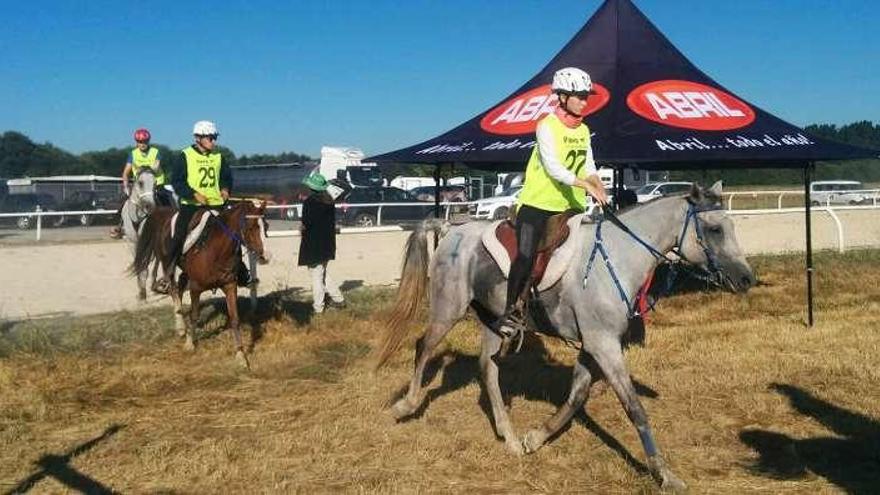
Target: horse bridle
{"points": [[712, 274], [235, 236], [140, 211]]}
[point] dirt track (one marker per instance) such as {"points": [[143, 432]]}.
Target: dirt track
{"points": [[50, 280]]}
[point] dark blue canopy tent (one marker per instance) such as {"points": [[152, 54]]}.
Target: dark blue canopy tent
{"points": [[653, 110]]}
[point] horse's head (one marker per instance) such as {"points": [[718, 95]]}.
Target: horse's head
{"points": [[711, 241], [254, 228], [143, 188]]}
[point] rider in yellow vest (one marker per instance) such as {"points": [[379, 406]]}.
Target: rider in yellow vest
{"points": [[141, 156], [559, 175], [202, 182]]}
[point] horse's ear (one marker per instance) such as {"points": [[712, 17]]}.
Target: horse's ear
{"points": [[696, 195], [714, 192]]}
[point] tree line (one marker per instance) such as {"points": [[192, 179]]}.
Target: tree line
{"points": [[864, 133], [21, 157]]}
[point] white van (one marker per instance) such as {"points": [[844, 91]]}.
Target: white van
{"points": [[660, 189], [838, 192]]}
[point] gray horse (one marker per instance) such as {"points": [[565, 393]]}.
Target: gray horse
{"points": [[141, 201], [588, 310]]}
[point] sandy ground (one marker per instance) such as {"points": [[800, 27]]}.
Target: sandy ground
{"points": [[40, 280], [52, 280]]}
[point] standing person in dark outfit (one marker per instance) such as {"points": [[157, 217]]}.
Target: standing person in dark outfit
{"points": [[203, 182], [318, 242]]}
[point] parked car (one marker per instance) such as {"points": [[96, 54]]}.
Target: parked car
{"points": [[659, 189], [447, 193], [27, 202], [90, 200], [495, 207], [368, 216], [840, 192]]}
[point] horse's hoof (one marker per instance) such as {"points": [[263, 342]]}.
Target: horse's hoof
{"points": [[533, 441], [189, 345], [241, 359], [672, 484], [515, 447], [402, 409], [669, 482], [142, 295]]}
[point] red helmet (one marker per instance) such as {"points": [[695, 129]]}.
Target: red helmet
{"points": [[141, 135]]}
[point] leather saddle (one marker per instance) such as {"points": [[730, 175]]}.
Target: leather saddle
{"points": [[554, 252], [197, 227]]}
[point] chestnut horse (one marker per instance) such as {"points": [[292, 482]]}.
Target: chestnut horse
{"points": [[210, 264]]}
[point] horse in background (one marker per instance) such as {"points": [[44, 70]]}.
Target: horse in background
{"points": [[211, 263], [140, 203], [587, 305]]}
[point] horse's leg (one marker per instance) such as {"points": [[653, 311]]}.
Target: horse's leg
{"points": [[176, 293], [489, 370], [609, 356], [231, 291], [425, 346], [584, 375], [193, 320], [142, 285], [155, 284]]}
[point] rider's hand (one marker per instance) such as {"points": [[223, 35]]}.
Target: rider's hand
{"points": [[200, 198], [225, 194], [598, 193]]}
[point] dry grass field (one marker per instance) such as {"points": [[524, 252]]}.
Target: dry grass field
{"points": [[742, 396]]}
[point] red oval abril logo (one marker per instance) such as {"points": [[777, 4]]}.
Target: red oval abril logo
{"points": [[689, 105], [520, 114]]}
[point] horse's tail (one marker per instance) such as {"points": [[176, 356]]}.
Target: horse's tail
{"points": [[411, 291], [143, 251]]}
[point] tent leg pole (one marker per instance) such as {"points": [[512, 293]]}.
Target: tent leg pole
{"points": [[436, 201], [807, 173]]}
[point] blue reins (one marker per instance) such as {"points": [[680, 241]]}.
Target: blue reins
{"points": [[707, 275]]}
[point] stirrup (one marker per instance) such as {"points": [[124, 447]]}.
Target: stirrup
{"points": [[161, 286], [510, 325]]}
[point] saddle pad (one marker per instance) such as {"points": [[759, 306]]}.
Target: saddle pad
{"points": [[197, 229], [559, 260]]}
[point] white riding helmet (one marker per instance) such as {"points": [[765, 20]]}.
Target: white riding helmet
{"points": [[205, 128], [572, 80]]}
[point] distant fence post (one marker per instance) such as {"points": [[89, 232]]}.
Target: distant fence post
{"points": [[39, 222]]}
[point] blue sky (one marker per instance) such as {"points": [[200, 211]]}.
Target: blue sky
{"points": [[379, 75]]}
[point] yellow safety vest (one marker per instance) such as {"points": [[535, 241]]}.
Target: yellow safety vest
{"points": [[540, 190], [203, 176], [140, 160]]}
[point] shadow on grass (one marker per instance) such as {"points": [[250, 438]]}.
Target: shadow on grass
{"points": [[530, 375], [850, 460], [59, 468]]}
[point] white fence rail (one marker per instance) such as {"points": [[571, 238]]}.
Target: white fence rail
{"points": [[830, 196], [448, 207]]}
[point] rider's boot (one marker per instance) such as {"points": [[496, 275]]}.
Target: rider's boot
{"points": [[511, 323], [243, 275]]}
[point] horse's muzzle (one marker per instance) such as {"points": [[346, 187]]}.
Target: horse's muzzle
{"points": [[740, 280], [264, 257]]}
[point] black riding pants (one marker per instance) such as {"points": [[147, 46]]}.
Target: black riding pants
{"points": [[531, 223], [163, 197]]}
